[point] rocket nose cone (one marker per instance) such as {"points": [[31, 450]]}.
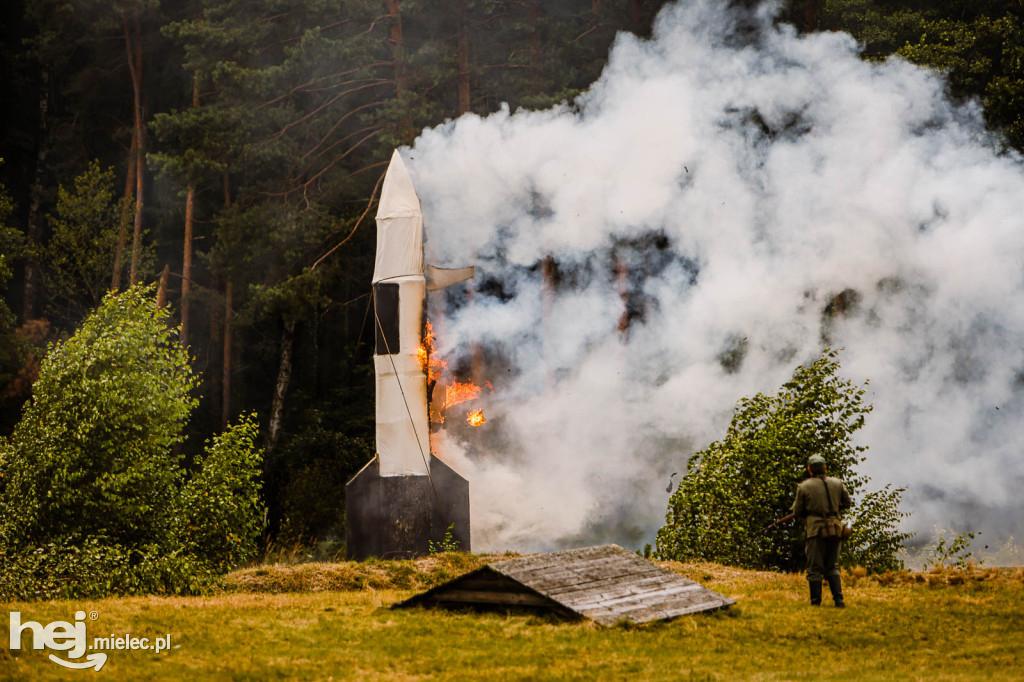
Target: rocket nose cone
{"points": [[398, 196]]}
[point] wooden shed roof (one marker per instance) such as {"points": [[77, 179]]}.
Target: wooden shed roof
{"points": [[606, 584]]}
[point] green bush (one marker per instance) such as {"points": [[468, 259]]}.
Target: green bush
{"points": [[93, 494], [220, 511], [951, 553], [735, 488]]}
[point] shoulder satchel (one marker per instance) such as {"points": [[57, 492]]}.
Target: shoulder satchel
{"points": [[833, 527]]}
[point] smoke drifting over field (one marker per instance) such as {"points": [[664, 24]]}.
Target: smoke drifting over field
{"points": [[745, 196]]}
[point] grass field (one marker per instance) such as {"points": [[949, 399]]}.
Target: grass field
{"points": [[948, 625]]}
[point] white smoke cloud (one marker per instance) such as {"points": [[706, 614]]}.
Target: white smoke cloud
{"points": [[733, 186]]}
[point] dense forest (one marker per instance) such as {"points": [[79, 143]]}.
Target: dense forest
{"points": [[230, 152]]}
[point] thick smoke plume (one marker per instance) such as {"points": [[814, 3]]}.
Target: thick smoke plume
{"points": [[727, 199]]}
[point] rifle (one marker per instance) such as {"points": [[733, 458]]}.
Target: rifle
{"points": [[784, 519]]}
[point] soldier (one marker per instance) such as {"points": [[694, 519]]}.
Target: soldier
{"points": [[819, 500]]}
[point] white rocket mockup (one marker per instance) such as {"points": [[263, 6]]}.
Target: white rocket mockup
{"points": [[400, 282], [399, 290], [405, 498]]}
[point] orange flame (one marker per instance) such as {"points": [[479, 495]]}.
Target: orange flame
{"points": [[455, 393], [460, 392], [431, 365]]}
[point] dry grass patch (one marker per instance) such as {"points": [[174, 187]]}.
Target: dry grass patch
{"points": [[344, 576]]}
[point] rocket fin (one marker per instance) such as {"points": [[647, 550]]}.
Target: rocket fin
{"points": [[439, 278]]}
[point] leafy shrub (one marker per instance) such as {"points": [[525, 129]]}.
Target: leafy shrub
{"points": [[448, 544], [93, 455], [93, 494], [953, 552], [735, 488], [220, 510]]}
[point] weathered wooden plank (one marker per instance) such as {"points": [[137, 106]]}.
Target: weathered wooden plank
{"points": [[690, 603], [656, 594], [644, 615], [575, 580], [596, 568], [628, 608], [647, 597], [612, 592], [579, 599], [696, 607], [639, 583]]}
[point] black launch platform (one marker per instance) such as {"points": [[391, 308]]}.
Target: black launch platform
{"points": [[397, 517]]}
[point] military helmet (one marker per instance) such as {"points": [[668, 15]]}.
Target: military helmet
{"points": [[815, 459]]}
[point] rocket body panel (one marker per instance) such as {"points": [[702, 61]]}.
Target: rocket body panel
{"points": [[403, 435], [403, 444]]}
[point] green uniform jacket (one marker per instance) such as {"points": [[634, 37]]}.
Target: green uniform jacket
{"points": [[812, 505]]}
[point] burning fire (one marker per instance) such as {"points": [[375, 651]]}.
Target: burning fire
{"points": [[457, 391], [429, 362], [460, 392]]}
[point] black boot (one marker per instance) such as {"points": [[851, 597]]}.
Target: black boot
{"points": [[836, 586], [815, 592]]}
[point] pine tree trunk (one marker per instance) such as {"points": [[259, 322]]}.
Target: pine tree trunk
{"points": [[397, 46], [33, 230], [133, 45], [284, 373], [225, 386], [536, 53], [186, 258], [215, 377], [813, 9], [462, 63], [622, 280], [161, 290], [186, 264], [547, 292]]}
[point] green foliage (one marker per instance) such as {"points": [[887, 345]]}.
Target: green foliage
{"points": [[875, 543], [979, 46], [983, 58], [954, 552], [92, 569], [93, 495], [308, 475], [11, 242], [11, 246], [79, 256], [447, 544], [93, 455], [735, 488], [221, 513]]}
